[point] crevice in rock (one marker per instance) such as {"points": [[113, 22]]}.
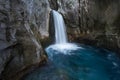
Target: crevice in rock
{"points": [[53, 4]]}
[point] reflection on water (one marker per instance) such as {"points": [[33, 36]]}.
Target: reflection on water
{"points": [[84, 63]]}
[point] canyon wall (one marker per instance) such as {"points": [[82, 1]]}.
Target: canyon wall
{"points": [[93, 22], [23, 23], [24, 29]]}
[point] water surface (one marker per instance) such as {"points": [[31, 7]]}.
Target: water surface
{"points": [[82, 63]]}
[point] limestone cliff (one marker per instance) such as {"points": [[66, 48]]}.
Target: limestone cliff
{"points": [[24, 29], [93, 22], [23, 23]]}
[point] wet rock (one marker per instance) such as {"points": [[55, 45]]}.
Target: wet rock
{"points": [[23, 24], [24, 29], [92, 20]]}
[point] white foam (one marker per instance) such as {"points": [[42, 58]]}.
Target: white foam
{"points": [[64, 48]]}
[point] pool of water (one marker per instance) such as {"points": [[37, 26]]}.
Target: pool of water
{"points": [[78, 63]]}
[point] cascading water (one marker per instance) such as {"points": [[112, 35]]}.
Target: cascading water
{"points": [[60, 29], [61, 43], [68, 61]]}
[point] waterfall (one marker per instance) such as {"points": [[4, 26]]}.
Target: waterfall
{"points": [[60, 29], [61, 43]]}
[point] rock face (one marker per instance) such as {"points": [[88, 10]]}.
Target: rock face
{"points": [[24, 28], [94, 22], [23, 24]]}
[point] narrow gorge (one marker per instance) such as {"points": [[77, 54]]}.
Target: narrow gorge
{"points": [[27, 28]]}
